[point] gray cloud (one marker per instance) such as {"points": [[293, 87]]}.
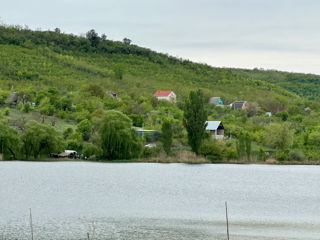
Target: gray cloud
{"points": [[189, 28]]}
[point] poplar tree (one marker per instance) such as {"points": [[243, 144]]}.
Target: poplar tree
{"points": [[194, 119], [166, 136]]}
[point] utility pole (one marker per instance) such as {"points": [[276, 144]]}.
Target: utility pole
{"points": [[2, 151], [227, 220], [31, 227]]}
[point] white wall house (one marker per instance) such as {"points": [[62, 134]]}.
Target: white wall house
{"points": [[216, 129], [166, 95]]}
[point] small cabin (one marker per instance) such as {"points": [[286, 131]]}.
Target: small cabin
{"points": [[239, 105], [167, 95], [217, 101], [216, 129]]}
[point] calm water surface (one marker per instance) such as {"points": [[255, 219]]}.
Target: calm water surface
{"points": [[159, 201]]}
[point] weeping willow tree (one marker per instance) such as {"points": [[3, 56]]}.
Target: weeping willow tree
{"points": [[118, 139]]}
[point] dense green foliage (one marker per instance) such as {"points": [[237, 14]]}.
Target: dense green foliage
{"points": [[166, 136], [195, 118], [57, 92], [118, 139], [305, 85]]}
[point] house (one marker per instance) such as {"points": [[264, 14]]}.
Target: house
{"points": [[269, 114], [217, 101], [13, 99], [216, 129], [166, 95], [239, 105]]}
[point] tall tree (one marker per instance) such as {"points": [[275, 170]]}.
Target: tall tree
{"points": [[166, 136], [195, 118]]}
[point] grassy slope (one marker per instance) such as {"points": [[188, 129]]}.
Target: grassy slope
{"points": [[21, 67]]}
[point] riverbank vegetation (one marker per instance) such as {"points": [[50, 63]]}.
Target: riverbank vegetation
{"points": [[60, 91]]}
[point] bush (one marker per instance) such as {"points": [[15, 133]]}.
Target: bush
{"points": [[296, 155], [48, 110], [7, 111], [210, 148], [90, 150], [282, 155], [151, 152], [26, 107], [261, 155], [231, 153]]}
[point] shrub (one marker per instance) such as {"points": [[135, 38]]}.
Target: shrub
{"points": [[210, 148], [26, 107], [261, 155], [231, 153], [150, 152], [90, 150], [296, 155], [48, 109], [7, 111], [282, 155]]}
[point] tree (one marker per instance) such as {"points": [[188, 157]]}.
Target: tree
{"points": [[241, 146], [40, 138], [252, 109], [166, 136], [93, 37], [118, 139], [127, 41], [9, 139], [95, 90], [84, 127], [248, 140], [3, 97], [279, 136], [194, 119], [118, 70]]}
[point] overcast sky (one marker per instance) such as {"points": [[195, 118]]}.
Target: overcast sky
{"points": [[270, 34]]}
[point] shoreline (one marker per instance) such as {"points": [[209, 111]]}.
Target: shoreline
{"points": [[236, 162]]}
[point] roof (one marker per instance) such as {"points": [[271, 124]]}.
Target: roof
{"points": [[138, 129], [162, 93], [213, 125], [238, 104], [216, 101]]}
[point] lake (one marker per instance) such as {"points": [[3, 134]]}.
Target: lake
{"points": [[158, 201]]}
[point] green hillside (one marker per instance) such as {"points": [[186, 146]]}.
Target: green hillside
{"points": [[304, 85], [66, 80]]}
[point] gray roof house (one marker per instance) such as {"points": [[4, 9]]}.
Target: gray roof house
{"points": [[216, 129], [216, 101], [239, 105]]}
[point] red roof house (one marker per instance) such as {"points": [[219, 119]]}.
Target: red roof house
{"points": [[166, 95]]}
